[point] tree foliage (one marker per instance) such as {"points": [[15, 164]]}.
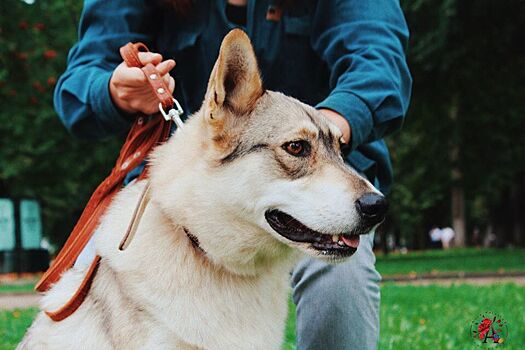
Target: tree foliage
{"points": [[38, 158], [465, 55]]}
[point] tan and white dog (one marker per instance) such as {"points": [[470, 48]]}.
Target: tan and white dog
{"points": [[252, 180]]}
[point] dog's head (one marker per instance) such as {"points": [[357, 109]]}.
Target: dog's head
{"points": [[255, 172]]}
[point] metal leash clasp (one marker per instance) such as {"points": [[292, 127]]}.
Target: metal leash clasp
{"points": [[173, 114]]}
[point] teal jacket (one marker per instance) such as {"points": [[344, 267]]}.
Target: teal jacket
{"points": [[347, 56]]}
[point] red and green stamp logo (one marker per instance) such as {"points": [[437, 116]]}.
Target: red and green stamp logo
{"points": [[489, 329]]}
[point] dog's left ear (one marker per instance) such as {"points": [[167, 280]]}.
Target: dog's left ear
{"points": [[235, 82]]}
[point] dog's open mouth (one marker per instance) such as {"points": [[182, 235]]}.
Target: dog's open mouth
{"points": [[294, 230]]}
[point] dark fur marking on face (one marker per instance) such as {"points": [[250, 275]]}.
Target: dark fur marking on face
{"points": [[325, 136], [312, 118], [240, 151], [293, 174], [327, 139]]}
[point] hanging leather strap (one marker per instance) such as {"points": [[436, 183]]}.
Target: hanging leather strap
{"points": [[135, 219], [76, 300], [146, 133]]}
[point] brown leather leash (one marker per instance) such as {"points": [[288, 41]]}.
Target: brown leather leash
{"points": [[146, 133]]}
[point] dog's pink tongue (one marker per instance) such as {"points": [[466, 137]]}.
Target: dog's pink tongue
{"points": [[352, 241]]}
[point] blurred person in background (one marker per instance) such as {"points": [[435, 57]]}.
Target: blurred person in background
{"points": [[447, 236]]}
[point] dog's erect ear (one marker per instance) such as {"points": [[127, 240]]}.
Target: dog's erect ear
{"points": [[235, 82]]}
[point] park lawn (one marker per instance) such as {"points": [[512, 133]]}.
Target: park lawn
{"points": [[453, 260], [412, 317], [438, 317], [17, 288], [13, 324]]}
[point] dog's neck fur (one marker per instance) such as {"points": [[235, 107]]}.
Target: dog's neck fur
{"points": [[164, 290]]}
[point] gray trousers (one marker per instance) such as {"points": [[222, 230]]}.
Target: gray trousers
{"points": [[338, 305]]}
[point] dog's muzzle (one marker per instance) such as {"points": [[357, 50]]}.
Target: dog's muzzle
{"points": [[339, 245]]}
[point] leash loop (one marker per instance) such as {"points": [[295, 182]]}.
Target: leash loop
{"points": [[173, 114]]}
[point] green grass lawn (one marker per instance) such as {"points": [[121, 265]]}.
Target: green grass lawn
{"points": [[468, 259], [17, 288], [437, 317], [412, 317], [13, 324]]}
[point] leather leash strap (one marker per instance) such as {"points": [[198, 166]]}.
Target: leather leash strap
{"points": [[135, 219], [145, 134], [78, 297]]}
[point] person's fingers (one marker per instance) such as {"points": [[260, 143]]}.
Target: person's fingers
{"points": [[171, 84], [135, 74], [165, 67], [166, 78], [150, 57]]}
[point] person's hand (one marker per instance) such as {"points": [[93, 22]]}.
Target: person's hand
{"points": [[130, 89], [340, 122]]}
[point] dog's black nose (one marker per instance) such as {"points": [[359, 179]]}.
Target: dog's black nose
{"points": [[372, 207]]}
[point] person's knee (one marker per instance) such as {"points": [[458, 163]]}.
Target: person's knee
{"points": [[338, 304], [349, 282], [355, 277]]}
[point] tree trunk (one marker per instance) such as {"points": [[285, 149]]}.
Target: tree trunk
{"points": [[458, 216], [457, 193]]}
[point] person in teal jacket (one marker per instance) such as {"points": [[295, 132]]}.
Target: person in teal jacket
{"points": [[344, 57]]}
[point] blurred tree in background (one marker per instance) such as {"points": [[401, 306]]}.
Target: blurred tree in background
{"points": [[459, 159], [38, 158]]}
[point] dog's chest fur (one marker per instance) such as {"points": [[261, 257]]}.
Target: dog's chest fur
{"points": [[162, 293]]}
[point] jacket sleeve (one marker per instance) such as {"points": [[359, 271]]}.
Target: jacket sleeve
{"points": [[363, 42], [82, 99]]}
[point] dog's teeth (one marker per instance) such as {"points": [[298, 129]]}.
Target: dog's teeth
{"points": [[335, 238], [341, 243]]}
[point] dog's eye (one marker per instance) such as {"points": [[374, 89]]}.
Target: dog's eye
{"points": [[299, 148]]}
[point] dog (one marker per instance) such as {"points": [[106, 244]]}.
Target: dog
{"points": [[252, 182]]}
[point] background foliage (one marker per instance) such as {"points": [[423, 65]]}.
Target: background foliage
{"points": [[38, 158], [466, 118], [467, 59]]}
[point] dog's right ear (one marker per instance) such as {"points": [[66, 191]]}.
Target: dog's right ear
{"points": [[235, 83]]}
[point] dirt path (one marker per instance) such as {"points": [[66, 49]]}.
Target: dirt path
{"points": [[468, 280], [10, 301]]}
